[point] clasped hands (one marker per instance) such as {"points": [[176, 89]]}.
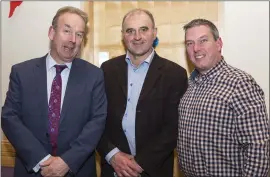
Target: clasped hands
{"points": [[125, 165], [54, 167]]}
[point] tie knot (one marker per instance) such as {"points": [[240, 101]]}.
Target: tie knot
{"points": [[59, 68]]}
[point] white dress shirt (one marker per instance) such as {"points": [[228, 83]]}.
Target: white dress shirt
{"points": [[51, 72]]}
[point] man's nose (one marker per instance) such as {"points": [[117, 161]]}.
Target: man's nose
{"points": [[137, 35], [72, 38], [196, 47]]}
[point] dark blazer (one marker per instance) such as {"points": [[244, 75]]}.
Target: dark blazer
{"points": [[156, 115], [25, 116]]}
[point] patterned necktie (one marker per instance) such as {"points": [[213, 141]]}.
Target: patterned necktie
{"points": [[55, 107]]}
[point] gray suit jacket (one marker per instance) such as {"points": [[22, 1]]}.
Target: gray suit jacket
{"points": [[25, 116]]}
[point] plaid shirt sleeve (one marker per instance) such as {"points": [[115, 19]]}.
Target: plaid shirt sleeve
{"points": [[252, 125]]}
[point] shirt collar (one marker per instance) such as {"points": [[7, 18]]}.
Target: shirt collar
{"points": [[147, 60], [50, 62], [195, 75]]}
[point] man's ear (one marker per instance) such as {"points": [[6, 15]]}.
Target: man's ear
{"points": [[155, 33], [51, 33], [219, 44], [122, 34]]}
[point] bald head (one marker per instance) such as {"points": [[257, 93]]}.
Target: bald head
{"points": [[138, 11]]}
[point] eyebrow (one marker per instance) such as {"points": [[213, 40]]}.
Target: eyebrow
{"points": [[144, 27], [204, 36], [139, 28], [129, 29], [68, 26]]}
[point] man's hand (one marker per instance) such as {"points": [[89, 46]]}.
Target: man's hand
{"points": [[125, 166], [54, 167]]}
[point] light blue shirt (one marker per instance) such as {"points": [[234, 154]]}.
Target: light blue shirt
{"points": [[136, 77]]}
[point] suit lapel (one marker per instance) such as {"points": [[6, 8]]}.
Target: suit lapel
{"points": [[152, 76], [122, 75], [71, 88], [40, 75]]}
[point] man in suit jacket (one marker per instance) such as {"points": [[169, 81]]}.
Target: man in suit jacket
{"points": [[26, 114], [143, 92]]}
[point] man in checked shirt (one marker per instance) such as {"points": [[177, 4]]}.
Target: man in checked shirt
{"points": [[223, 123]]}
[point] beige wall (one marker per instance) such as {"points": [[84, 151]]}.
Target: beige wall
{"points": [[170, 16]]}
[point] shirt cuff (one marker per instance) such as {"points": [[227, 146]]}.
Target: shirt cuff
{"points": [[37, 167], [111, 154]]}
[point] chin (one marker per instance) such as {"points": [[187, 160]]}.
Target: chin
{"points": [[68, 59], [141, 53]]}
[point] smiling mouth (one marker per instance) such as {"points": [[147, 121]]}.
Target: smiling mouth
{"points": [[67, 48], [199, 56], [138, 43]]}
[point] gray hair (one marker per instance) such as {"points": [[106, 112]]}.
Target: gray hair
{"points": [[73, 10], [199, 22]]}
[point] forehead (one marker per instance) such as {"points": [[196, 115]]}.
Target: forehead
{"points": [[71, 19], [137, 19], [197, 32]]}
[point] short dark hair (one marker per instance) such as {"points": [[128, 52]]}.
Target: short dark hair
{"points": [[199, 22]]}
